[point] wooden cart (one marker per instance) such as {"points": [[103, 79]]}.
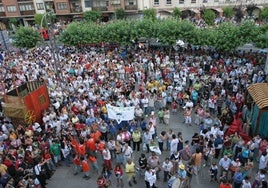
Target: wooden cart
{"points": [[25, 104]]}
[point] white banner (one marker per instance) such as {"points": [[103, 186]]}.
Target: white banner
{"points": [[120, 113]]}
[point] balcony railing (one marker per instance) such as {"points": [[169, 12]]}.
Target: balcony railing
{"points": [[99, 8], [2, 14], [76, 9], [24, 1], [27, 12], [131, 7]]}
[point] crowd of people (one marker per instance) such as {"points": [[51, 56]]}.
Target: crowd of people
{"points": [[205, 88]]}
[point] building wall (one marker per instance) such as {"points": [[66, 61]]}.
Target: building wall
{"points": [[60, 7], [197, 4], [84, 8], [8, 3], [39, 9]]}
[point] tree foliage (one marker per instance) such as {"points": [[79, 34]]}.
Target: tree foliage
{"points": [[26, 37], [176, 13], [149, 14], [92, 16], [264, 13], [209, 16], [228, 12], [120, 14], [38, 19], [225, 37]]}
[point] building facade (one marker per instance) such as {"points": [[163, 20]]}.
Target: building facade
{"points": [[24, 10]]}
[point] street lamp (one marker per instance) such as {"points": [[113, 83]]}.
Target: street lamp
{"points": [[3, 39], [52, 42]]}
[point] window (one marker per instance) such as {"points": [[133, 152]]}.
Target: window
{"points": [[131, 3], [26, 7], [115, 2], [181, 1], [193, 1], [11, 8], [168, 2], [87, 3], [2, 9], [40, 6], [62, 6], [156, 2]]}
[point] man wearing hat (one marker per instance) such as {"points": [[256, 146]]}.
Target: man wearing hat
{"points": [[182, 172]]}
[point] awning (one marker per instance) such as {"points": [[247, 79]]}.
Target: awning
{"points": [[259, 94]]}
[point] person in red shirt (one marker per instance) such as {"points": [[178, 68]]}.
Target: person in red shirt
{"points": [[77, 164], [48, 158], [118, 171], [85, 168], [82, 148], [94, 162], [91, 145]]}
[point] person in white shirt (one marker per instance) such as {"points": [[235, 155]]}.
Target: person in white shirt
{"points": [[167, 166], [225, 164], [127, 151], [150, 178], [263, 160], [246, 183], [173, 144]]}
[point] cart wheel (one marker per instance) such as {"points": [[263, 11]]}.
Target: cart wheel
{"points": [[29, 117]]}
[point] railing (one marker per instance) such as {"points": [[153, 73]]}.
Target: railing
{"points": [[27, 12], [76, 10], [24, 1], [99, 8], [2, 14], [131, 7]]}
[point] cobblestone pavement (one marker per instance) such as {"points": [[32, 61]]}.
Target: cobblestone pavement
{"points": [[64, 178]]}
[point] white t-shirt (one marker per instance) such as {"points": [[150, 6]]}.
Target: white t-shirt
{"points": [[246, 184], [106, 154]]}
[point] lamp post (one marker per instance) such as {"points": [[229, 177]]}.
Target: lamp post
{"points": [[53, 46], [3, 39]]}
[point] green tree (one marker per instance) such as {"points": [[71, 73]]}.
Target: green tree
{"points": [[239, 13], [262, 40], [226, 38], [92, 16], [26, 37], [120, 14], [264, 13], [149, 14], [49, 17], [38, 19], [176, 13], [247, 32], [228, 12], [209, 16]]}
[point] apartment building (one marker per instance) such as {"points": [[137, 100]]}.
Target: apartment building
{"points": [[24, 10]]}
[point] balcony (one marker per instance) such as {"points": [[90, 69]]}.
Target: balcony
{"points": [[1, 1], [131, 7], [2, 14], [27, 12], [76, 9], [24, 1], [99, 8]]}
